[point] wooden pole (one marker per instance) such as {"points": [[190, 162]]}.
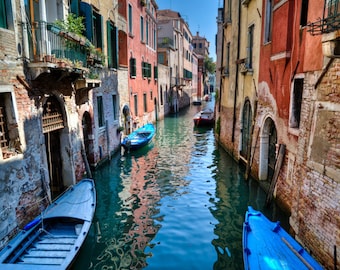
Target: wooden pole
{"points": [[278, 165], [297, 253]]}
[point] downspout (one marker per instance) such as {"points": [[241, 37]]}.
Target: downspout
{"points": [[221, 65], [237, 75]]}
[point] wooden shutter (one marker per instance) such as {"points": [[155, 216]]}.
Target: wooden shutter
{"points": [[86, 12]]}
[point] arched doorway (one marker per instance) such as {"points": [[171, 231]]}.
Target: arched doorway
{"points": [[268, 142], [53, 123], [246, 129]]}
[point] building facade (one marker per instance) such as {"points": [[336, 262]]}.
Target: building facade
{"points": [[201, 49], [278, 107], [142, 63], [176, 52], [59, 100]]}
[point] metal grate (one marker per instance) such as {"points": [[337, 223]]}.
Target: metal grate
{"points": [[330, 21], [52, 121]]}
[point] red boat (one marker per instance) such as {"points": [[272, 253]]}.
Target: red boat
{"points": [[204, 118]]}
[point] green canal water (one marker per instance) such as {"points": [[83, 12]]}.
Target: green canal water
{"points": [[178, 203]]}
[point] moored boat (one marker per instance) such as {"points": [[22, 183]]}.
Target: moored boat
{"points": [[139, 138], [266, 245], [53, 239], [204, 118]]}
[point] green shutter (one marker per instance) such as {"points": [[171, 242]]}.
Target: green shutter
{"points": [[109, 44], [3, 21], [75, 7], [155, 72], [133, 68]]}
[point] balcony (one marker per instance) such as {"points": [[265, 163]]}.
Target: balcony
{"points": [[330, 21], [177, 82], [165, 42], [59, 59]]}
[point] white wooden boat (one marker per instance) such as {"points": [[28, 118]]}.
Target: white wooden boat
{"points": [[53, 239]]}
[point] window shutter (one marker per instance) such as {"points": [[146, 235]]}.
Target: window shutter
{"points": [[86, 12], [115, 47], [133, 67], [109, 43], [3, 21], [75, 7], [155, 72]]}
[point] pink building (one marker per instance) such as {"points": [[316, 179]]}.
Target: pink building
{"points": [[142, 63]]}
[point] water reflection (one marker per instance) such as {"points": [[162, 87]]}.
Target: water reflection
{"points": [[179, 203]]}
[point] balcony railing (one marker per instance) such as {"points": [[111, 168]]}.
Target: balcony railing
{"points": [[330, 21], [48, 43], [165, 42], [176, 81]]}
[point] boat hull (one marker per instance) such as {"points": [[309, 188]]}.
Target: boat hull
{"points": [[53, 239], [139, 138], [204, 118], [266, 245]]}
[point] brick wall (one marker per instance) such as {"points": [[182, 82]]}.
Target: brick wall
{"points": [[316, 207]]}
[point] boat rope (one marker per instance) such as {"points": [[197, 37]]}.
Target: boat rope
{"points": [[25, 207], [74, 203]]}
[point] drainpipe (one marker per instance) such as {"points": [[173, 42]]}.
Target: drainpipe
{"points": [[222, 52], [44, 43], [237, 75]]}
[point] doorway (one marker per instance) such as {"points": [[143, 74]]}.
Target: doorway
{"points": [[268, 150], [53, 124]]}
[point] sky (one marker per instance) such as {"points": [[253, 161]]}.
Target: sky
{"points": [[200, 16]]}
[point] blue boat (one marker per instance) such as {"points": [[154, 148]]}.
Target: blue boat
{"points": [[53, 239], [139, 138], [266, 245]]}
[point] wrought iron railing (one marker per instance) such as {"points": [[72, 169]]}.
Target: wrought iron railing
{"points": [[330, 21], [48, 43]]}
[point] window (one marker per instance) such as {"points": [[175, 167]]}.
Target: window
{"points": [[133, 68], [246, 129], [93, 24], [135, 99], [100, 111], [154, 38], [97, 30], [296, 103], [141, 28], [146, 70], [161, 95], [112, 45], [227, 68], [161, 59], [6, 16], [151, 95], [145, 102], [147, 32], [130, 19], [268, 21], [304, 13], [249, 60], [228, 17], [114, 107], [155, 72], [9, 134]]}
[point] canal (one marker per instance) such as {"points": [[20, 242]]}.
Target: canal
{"points": [[179, 203]]}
